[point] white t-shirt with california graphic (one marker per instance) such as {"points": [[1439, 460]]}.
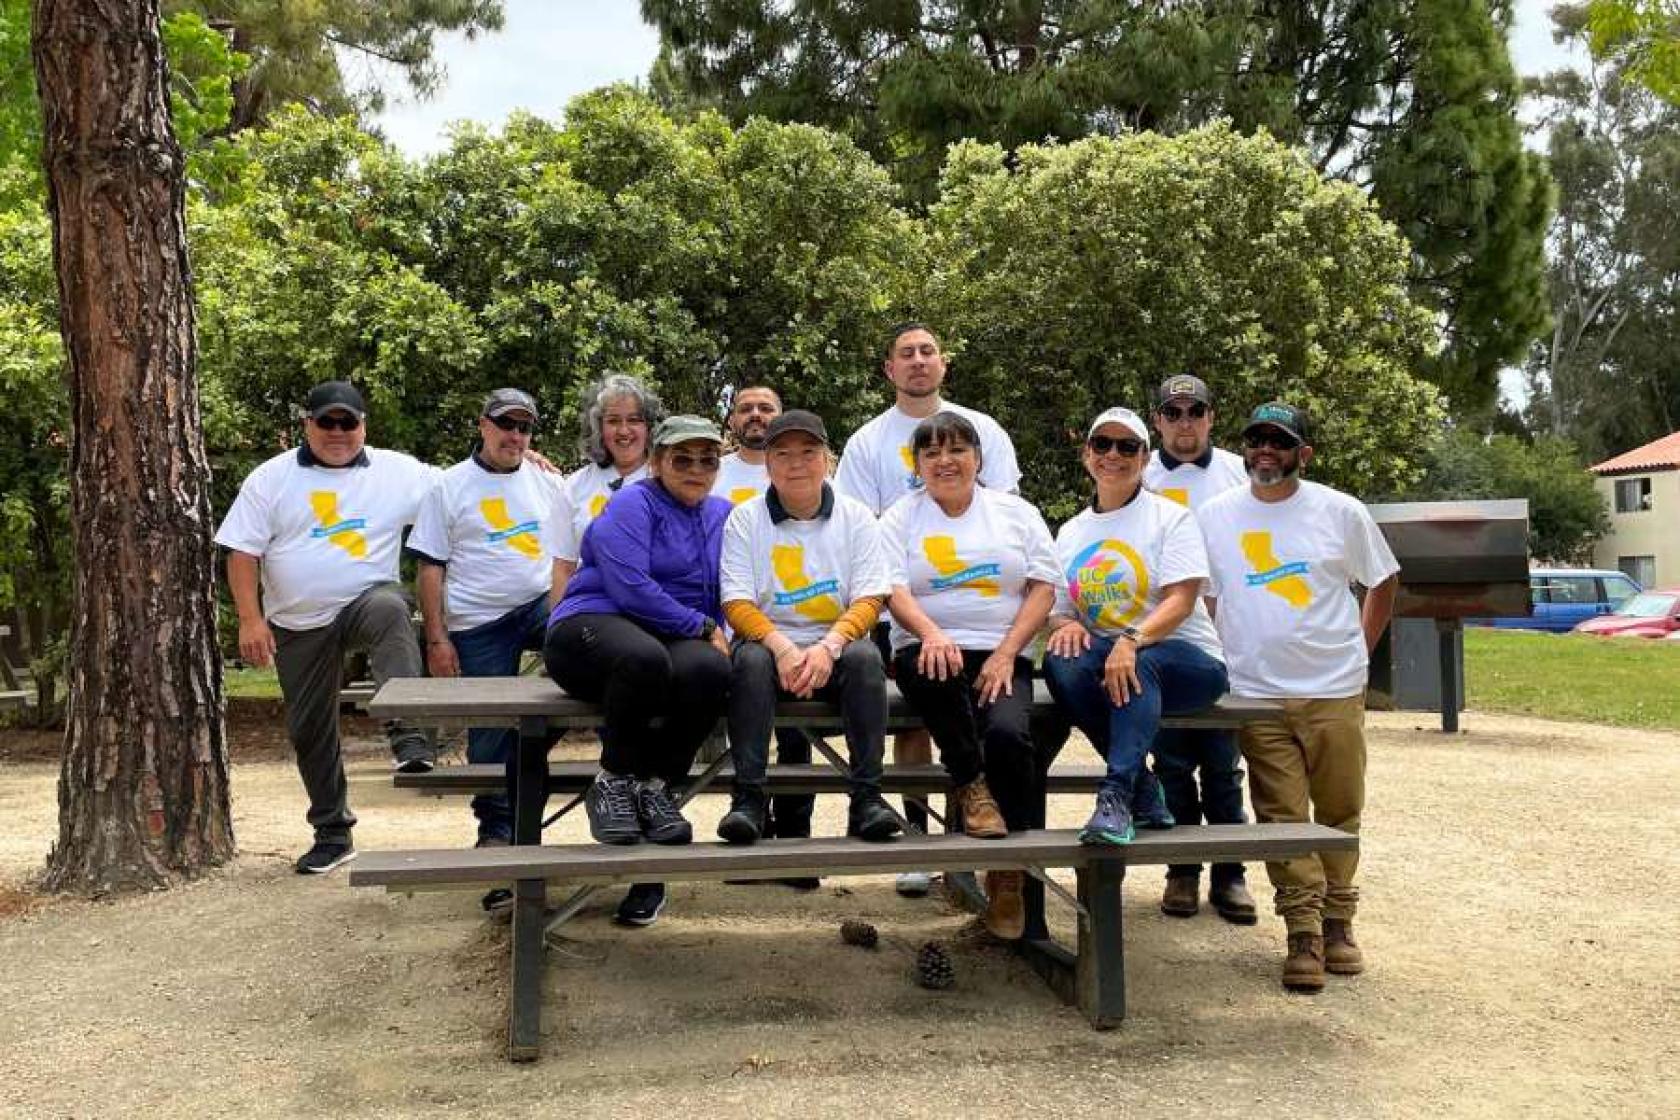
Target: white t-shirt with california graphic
{"points": [[324, 534], [739, 481], [1113, 566], [583, 496], [1191, 485], [968, 573], [877, 468], [488, 527], [803, 574], [1282, 573]]}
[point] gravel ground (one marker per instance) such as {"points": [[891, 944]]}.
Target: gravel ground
{"points": [[1518, 924]]}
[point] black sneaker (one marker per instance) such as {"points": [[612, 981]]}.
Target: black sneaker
{"points": [[744, 823], [611, 805], [324, 856], [872, 818], [414, 756], [498, 898], [642, 906], [1149, 802], [662, 821]]}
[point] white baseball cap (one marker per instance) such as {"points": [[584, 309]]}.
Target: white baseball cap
{"points": [[1124, 417]]}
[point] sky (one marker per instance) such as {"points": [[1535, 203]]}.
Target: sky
{"points": [[552, 50]]}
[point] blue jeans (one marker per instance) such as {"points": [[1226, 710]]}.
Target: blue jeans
{"points": [[492, 649], [1182, 754], [1176, 677]]}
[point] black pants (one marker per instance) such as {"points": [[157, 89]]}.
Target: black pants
{"points": [[790, 813], [637, 676], [974, 739], [859, 686]]}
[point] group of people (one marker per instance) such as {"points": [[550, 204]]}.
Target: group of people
{"points": [[677, 585]]}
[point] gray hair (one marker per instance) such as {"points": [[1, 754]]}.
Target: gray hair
{"points": [[596, 395]]}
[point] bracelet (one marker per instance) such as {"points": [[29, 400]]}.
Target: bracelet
{"points": [[439, 642], [833, 645]]}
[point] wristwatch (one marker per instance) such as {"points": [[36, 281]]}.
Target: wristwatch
{"points": [[1130, 633], [707, 629]]}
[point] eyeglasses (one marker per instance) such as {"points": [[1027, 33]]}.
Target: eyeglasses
{"points": [[1274, 441], [1172, 413], [509, 424], [338, 422], [686, 463], [1102, 445]]}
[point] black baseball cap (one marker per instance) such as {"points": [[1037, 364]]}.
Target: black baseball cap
{"points": [[1285, 418], [510, 400], [330, 396], [1183, 385], [796, 420]]}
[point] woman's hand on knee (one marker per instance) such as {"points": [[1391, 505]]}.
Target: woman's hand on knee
{"points": [[1120, 679], [1069, 640]]}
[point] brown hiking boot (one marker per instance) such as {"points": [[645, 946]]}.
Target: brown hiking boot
{"points": [[1341, 951], [980, 815], [1006, 912], [1303, 969], [1232, 902], [1182, 898]]}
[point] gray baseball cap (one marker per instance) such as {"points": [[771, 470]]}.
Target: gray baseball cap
{"points": [[510, 400], [682, 428]]}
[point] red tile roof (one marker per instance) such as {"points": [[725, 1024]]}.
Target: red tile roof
{"points": [[1658, 455]]}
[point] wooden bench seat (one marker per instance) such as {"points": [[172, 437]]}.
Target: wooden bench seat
{"points": [[1093, 977], [782, 778]]}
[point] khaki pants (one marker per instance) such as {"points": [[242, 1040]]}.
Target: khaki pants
{"points": [[1313, 757]]}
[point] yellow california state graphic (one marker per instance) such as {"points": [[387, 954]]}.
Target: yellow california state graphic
{"points": [[942, 554], [523, 540], [346, 535], [742, 494], [909, 458], [1271, 573], [596, 505], [1176, 494], [816, 604]]}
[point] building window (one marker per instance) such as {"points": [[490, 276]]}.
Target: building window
{"points": [[1633, 495], [1641, 569]]}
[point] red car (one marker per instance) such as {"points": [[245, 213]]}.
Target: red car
{"points": [[1649, 614]]}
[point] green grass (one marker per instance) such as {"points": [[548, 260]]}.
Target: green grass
{"points": [[1624, 682], [260, 684]]}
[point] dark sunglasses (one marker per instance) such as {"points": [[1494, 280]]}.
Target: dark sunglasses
{"points": [[685, 462], [1274, 441], [1172, 413], [338, 422], [509, 424], [1102, 445]]}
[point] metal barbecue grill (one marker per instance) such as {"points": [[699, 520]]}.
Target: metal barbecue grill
{"points": [[1458, 560]]}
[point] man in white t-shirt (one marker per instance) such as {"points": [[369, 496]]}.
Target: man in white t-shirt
{"points": [[485, 578], [743, 476], [1200, 770], [1284, 554], [320, 528], [877, 468]]}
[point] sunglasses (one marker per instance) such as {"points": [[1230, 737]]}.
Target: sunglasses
{"points": [[1272, 441], [1172, 413], [685, 462], [1102, 445], [509, 424], [338, 422]]}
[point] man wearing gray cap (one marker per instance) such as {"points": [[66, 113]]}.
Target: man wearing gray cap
{"points": [[486, 581], [313, 541], [1200, 770]]}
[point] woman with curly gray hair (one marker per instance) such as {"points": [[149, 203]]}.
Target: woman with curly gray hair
{"points": [[618, 413]]}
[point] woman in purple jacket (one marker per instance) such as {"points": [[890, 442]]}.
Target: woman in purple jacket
{"points": [[639, 631]]}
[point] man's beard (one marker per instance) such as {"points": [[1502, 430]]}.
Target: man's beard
{"points": [[752, 438], [1271, 476]]}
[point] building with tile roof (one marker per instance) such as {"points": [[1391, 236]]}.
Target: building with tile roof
{"points": [[1641, 488]]}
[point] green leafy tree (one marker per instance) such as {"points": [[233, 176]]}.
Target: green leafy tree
{"points": [[1644, 37], [1075, 277], [1415, 101], [1608, 375]]}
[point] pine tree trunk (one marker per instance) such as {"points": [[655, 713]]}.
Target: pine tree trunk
{"points": [[143, 794]]}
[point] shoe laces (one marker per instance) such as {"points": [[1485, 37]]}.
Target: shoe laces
{"points": [[980, 797], [619, 796], [656, 801]]}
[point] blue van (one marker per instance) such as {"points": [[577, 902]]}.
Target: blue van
{"points": [[1563, 597]]}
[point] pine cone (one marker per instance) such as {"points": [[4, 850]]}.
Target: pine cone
{"points": [[933, 967], [861, 934]]}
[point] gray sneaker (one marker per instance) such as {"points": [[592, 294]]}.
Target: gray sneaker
{"points": [[611, 804], [662, 821]]}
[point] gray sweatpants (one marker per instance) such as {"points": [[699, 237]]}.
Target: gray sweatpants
{"points": [[311, 665]]}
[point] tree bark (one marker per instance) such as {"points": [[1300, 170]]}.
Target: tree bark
{"points": [[143, 793]]}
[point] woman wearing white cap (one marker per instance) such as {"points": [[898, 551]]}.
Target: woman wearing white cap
{"points": [[1130, 639]]}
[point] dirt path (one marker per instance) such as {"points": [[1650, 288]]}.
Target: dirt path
{"points": [[1519, 916]]}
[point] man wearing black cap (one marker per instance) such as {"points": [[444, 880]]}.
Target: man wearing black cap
{"points": [[486, 582], [320, 529], [1283, 555], [1189, 470]]}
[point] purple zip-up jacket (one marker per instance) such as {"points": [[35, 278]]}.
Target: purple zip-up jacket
{"points": [[652, 559]]}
